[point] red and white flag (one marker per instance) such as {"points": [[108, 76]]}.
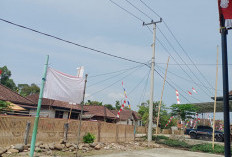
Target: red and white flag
{"points": [[189, 93], [194, 90], [0, 72], [177, 97], [122, 107], [225, 11]]}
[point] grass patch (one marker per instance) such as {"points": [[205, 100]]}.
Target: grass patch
{"points": [[208, 148], [158, 138], [175, 143]]}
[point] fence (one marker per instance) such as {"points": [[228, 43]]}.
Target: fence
{"points": [[13, 130]]}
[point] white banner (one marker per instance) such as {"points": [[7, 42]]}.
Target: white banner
{"points": [[63, 87]]}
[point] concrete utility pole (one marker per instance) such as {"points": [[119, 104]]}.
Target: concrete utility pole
{"points": [[149, 138]]}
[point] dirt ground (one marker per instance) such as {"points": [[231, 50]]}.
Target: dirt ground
{"points": [[158, 152]]}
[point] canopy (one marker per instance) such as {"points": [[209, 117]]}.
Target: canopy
{"points": [[207, 107]]}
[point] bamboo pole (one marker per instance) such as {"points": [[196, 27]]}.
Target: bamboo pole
{"points": [[79, 126], [161, 97], [33, 138], [215, 99]]}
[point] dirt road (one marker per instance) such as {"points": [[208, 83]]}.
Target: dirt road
{"points": [[159, 152]]}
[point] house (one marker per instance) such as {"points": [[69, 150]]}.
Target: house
{"points": [[54, 108], [19, 104], [128, 117], [99, 113]]}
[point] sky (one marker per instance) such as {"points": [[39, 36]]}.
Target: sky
{"points": [[102, 25]]}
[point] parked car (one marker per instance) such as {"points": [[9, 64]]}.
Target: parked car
{"points": [[205, 131]]}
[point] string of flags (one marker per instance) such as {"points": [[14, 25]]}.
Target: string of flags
{"points": [[124, 102], [169, 121], [190, 93]]}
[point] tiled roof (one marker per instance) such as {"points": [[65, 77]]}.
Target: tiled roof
{"points": [[126, 114], [6, 94], [99, 111], [49, 102]]}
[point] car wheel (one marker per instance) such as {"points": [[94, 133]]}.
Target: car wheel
{"points": [[219, 139], [193, 136]]}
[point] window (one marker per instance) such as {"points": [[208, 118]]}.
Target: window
{"points": [[73, 115], [59, 114]]}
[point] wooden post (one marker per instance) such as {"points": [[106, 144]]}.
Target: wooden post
{"points": [[215, 99], [116, 133], [157, 124], [99, 132], [125, 132], [70, 112], [26, 135], [66, 126], [80, 117]]}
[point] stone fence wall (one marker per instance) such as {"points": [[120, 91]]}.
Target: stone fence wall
{"points": [[13, 130]]}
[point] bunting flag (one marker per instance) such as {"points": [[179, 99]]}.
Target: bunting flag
{"points": [[169, 121], [196, 121], [221, 127], [189, 93], [122, 107], [80, 71], [0, 72], [187, 123], [125, 95], [210, 119], [225, 11], [63, 87], [194, 90], [177, 97]]}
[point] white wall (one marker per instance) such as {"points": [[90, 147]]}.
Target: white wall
{"points": [[43, 113]]}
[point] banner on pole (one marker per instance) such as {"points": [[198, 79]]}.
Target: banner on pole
{"points": [[63, 87], [225, 11]]}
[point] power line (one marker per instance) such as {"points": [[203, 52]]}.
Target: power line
{"points": [[186, 79], [180, 65], [112, 83], [181, 57], [144, 90], [199, 64], [122, 72], [138, 9], [126, 11], [70, 42], [177, 42], [179, 87], [111, 72]]}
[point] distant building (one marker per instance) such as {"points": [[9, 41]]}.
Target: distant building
{"points": [[128, 117], [99, 113], [54, 108]]}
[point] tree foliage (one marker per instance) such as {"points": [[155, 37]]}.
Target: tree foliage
{"points": [[25, 89], [90, 102], [117, 105], [109, 106], [5, 78], [183, 111], [164, 115], [4, 105]]}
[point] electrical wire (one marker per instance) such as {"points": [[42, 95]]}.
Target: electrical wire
{"points": [[113, 83], [170, 80], [114, 76], [177, 41], [144, 90], [70, 42], [186, 79]]}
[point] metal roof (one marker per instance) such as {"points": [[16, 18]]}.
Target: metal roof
{"points": [[207, 107]]}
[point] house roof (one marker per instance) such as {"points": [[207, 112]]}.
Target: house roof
{"points": [[55, 103], [126, 114], [99, 111], [6, 94]]}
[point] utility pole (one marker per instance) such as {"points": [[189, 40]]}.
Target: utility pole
{"points": [[149, 138]]}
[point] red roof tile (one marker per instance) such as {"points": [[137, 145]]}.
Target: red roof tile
{"points": [[55, 103], [99, 111], [6, 94]]}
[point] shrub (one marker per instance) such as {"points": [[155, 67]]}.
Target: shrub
{"points": [[208, 148], [158, 138], [175, 143], [88, 138]]}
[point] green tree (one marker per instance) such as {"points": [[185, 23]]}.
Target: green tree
{"points": [[117, 105], [4, 105], [89, 102], [109, 106], [25, 89], [183, 111], [164, 115], [5, 78]]}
